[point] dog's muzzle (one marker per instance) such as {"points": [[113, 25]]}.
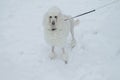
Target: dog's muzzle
{"points": [[53, 26]]}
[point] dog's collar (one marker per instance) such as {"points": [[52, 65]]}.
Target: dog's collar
{"points": [[56, 30]]}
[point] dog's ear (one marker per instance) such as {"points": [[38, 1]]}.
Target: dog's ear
{"points": [[60, 17], [45, 19]]}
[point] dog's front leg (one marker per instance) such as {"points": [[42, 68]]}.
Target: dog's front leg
{"points": [[52, 54], [73, 43], [64, 56]]}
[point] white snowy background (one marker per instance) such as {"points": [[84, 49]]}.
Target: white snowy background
{"points": [[24, 53]]}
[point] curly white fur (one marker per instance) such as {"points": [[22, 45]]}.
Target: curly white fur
{"points": [[58, 37]]}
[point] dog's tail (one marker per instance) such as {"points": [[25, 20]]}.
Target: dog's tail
{"points": [[76, 22]]}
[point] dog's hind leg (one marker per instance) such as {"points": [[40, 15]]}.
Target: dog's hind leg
{"points": [[52, 54], [64, 56], [73, 42]]}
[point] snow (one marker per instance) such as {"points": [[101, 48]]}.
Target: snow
{"points": [[24, 53]]}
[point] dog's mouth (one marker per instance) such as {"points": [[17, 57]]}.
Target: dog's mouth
{"points": [[53, 29]]}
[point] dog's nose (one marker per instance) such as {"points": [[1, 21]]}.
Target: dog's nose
{"points": [[53, 23]]}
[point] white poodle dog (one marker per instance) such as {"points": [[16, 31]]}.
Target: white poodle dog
{"points": [[56, 31]]}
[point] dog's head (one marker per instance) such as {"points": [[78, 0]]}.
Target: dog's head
{"points": [[53, 18]]}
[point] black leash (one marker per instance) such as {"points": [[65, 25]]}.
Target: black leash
{"points": [[81, 14], [93, 10]]}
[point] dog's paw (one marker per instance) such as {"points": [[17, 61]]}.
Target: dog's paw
{"points": [[73, 43], [66, 62], [65, 57], [52, 56]]}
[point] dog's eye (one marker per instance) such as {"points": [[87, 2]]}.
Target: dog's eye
{"points": [[50, 17], [55, 16]]}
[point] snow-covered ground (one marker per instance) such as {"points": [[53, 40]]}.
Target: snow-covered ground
{"points": [[24, 53]]}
